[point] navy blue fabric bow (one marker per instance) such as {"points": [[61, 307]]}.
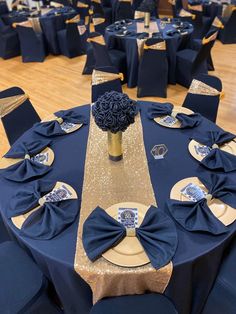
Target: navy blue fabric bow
{"points": [[48, 220], [53, 128], [186, 120], [217, 159], [196, 216], [27, 168], [157, 235]]}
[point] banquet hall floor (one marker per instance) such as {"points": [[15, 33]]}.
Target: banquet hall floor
{"points": [[58, 84]]}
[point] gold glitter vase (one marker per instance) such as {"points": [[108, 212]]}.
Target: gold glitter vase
{"points": [[115, 146], [147, 17]]}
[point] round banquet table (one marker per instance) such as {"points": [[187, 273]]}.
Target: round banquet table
{"points": [[128, 44], [198, 256]]}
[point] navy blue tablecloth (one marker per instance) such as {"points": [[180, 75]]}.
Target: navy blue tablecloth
{"points": [[198, 255], [129, 45]]}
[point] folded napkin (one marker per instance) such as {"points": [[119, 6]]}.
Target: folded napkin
{"points": [[66, 119], [142, 35], [187, 120], [172, 32], [196, 216], [54, 214], [217, 159], [28, 167], [157, 234]]}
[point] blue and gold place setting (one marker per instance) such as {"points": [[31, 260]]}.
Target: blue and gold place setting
{"points": [[27, 160], [44, 209], [61, 123], [216, 150], [174, 117], [206, 203]]}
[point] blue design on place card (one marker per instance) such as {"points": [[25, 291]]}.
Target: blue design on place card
{"points": [[58, 194], [168, 121], [202, 150], [193, 192], [128, 217], [40, 158]]}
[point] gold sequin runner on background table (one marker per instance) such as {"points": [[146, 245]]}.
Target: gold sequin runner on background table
{"points": [[107, 183], [153, 28]]}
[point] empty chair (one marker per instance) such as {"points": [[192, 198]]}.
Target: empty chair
{"points": [[222, 298], [204, 96], [99, 23], [107, 9], [153, 69], [82, 8], [97, 7], [3, 7], [105, 79], [176, 6], [90, 60], [123, 10], [69, 39], [191, 62], [152, 303], [9, 41], [32, 43], [16, 112], [201, 23], [107, 57], [227, 35], [23, 286]]}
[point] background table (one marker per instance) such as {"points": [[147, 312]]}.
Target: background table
{"points": [[198, 255], [129, 45]]}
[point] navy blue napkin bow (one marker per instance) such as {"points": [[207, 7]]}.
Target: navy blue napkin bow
{"points": [[52, 128], [49, 219], [196, 216], [157, 235], [27, 168], [186, 120], [217, 159]]}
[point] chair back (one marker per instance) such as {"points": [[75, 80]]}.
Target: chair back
{"points": [[73, 40], [17, 113], [82, 8], [100, 50], [204, 96], [204, 52], [153, 69], [123, 10], [228, 34], [105, 79], [99, 23], [97, 7], [3, 7], [176, 6]]}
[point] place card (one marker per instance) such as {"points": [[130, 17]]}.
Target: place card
{"points": [[168, 121], [193, 192], [128, 217], [202, 150]]}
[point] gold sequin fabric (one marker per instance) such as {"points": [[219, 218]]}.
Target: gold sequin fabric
{"points": [[99, 77], [200, 88], [158, 46], [107, 183], [8, 104]]}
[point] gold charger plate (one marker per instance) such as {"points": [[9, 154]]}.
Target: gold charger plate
{"points": [[53, 117], [176, 109], [229, 147], [225, 213], [129, 252], [19, 220], [7, 162]]}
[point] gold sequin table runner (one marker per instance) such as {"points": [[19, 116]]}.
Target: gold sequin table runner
{"points": [[107, 183]]}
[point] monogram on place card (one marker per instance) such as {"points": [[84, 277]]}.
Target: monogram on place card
{"points": [[61, 192], [168, 121], [202, 150], [128, 217], [68, 127], [41, 158], [193, 192]]}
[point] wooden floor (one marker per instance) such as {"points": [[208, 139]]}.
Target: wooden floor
{"points": [[58, 84]]}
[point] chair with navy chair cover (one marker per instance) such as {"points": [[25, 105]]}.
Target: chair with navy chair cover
{"points": [[176, 6], [105, 79], [9, 41], [69, 39], [222, 298], [227, 35], [107, 9], [204, 96], [152, 303], [99, 23], [16, 112], [23, 286], [191, 62], [153, 69], [123, 10], [32, 43], [3, 8], [201, 23]]}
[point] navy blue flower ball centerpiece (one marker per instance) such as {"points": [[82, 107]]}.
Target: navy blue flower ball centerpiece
{"points": [[113, 112]]}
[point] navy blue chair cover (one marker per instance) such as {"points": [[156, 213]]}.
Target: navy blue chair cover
{"points": [[206, 105], [70, 41], [9, 41], [97, 7], [228, 34], [222, 298], [153, 69], [90, 60], [32, 44], [135, 304], [99, 23], [100, 88], [19, 120], [3, 7], [23, 286], [191, 62], [200, 23], [123, 10], [176, 6]]}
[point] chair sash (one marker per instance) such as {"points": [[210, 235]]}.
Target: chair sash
{"points": [[184, 13], [210, 38], [8, 104], [198, 8], [100, 77], [199, 88], [217, 23], [97, 39]]}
